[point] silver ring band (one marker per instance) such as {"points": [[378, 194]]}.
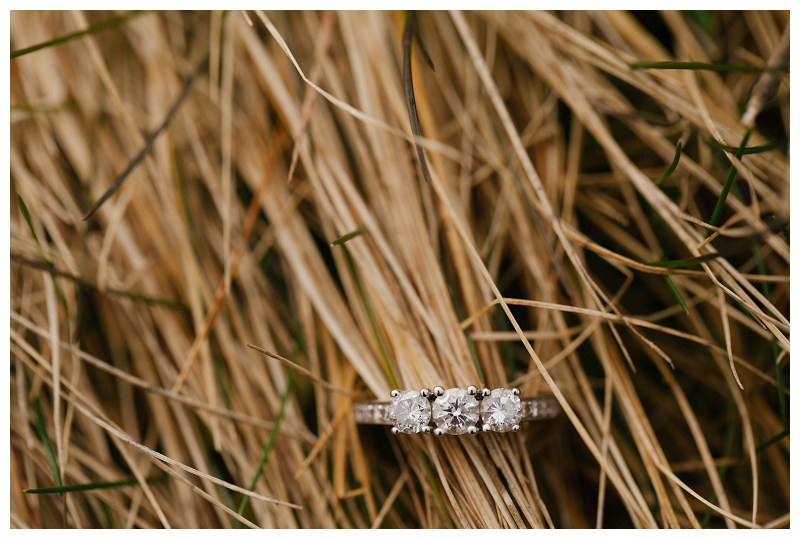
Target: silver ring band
{"points": [[455, 410]]}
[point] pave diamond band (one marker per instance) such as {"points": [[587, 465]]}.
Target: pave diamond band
{"points": [[455, 410]]}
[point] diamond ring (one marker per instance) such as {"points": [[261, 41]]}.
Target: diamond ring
{"points": [[455, 411]]}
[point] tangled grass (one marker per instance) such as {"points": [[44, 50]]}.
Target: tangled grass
{"points": [[597, 227]]}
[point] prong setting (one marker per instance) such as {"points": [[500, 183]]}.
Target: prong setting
{"points": [[472, 390], [425, 429], [424, 392], [409, 412], [501, 410], [395, 431], [472, 430], [485, 392], [394, 393], [438, 391], [515, 428], [438, 432], [515, 392]]}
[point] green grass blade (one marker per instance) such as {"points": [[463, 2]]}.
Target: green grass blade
{"points": [[656, 510], [715, 215], [437, 494], [349, 236], [44, 109], [109, 521], [473, 352], [704, 19], [508, 350], [775, 439], [272, 437], [46, 266], [41, 429], [739, 247], [674, 164], [700, 66], [110, 23], [751, 150], [89, 486], [384, 357], [677, 293], [218, 375], [26, 214]]}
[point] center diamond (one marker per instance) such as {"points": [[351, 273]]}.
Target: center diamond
{"points": [[455, 411], [501, 410], [409, 412]]}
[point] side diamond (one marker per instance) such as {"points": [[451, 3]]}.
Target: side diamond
{"points": [[409, 412], [501, 410]]}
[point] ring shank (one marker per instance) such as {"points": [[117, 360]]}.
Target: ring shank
{"points": [[531, 409]]}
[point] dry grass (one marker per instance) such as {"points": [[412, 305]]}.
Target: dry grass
{"points": [[527, 261]]}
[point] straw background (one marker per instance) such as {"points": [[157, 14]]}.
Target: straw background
{"points": [[527, 261]]}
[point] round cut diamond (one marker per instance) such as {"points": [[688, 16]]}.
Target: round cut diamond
{"points": [[409, 412], [501, 410], [455, 411]]}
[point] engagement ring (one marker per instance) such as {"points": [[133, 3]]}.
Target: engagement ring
{"points": [[455, 411]]}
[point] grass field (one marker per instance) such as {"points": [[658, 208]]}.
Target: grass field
{"points": [[590, 205]]}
